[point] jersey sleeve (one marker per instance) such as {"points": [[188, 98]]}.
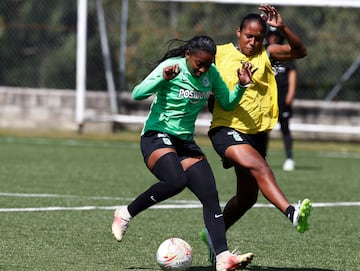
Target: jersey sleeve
{"points": [[228, 99], [149, 85]]}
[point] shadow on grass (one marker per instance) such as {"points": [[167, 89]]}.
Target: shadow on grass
{"points": [[193, 268], [261, 268], [270, 268], [202, 268], [141, 268], [250, 268]]}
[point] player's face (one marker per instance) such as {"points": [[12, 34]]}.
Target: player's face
{"points": [[198, 62], [251, 37]]}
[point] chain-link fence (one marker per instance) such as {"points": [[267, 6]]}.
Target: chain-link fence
{"points": [[38, 41]]}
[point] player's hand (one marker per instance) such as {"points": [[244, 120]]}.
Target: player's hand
{"points": [[271, 16], [171, 72], [245, 73]]}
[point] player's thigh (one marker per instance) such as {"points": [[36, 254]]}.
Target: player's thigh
{"points": [[245, 155]]}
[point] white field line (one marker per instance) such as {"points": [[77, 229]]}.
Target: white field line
{"points": [[343, 154], [169, 204]]}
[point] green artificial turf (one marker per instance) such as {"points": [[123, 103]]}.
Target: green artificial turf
{"points": [[57, 197]]}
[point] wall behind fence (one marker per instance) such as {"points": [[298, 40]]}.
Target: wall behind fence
{"points": [[51, 109]]}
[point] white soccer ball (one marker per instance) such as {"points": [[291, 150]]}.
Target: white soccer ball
{"points": [[174, 254]]}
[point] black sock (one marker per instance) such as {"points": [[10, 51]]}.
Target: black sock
{"points": [[172, 180], [289, 212]]}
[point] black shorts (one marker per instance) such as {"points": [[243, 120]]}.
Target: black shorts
{"points": [[153, 140], [224, 137]]}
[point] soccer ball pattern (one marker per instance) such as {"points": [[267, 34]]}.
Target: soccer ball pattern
{"points": [[174, 254]]}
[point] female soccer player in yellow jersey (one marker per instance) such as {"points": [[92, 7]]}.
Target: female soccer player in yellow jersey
{"points": [[240, 136]]}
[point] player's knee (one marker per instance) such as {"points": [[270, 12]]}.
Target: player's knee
{"points": [[168, 169], [201, 182], [179, 185], [260, 169]]}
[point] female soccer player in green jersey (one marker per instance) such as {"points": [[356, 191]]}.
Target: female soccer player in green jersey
{"points": [[182, 82]]}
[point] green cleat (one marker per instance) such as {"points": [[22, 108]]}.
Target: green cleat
{"points": [[301, 215], [204, 235]]}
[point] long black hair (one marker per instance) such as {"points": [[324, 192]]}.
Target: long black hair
{"points": [[198, 43]]}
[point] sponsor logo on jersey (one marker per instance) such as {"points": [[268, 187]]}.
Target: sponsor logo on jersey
{"points": [[193, 94]]}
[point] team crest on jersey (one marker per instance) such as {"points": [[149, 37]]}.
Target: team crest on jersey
{"points": [[206, 81], [278, 68]]}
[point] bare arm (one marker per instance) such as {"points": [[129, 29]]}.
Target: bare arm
{"points": [[295, 48], [292, 75]]}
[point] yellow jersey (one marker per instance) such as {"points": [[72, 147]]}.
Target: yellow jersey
{"points": [[257, 110]]}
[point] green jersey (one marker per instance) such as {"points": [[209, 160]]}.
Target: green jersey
{"points": [[179, 101]]}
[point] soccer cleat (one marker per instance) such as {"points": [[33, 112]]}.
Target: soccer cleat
{"points": [[120, 224], [205, 236], [301, 215], [289, 165], [234, 261]]}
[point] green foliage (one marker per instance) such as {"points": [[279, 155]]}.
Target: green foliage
{"points": [[38, 41], [34, 33]]}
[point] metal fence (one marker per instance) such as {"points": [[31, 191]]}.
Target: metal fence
{"points": [[38, 42]]}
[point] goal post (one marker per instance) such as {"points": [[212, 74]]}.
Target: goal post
{"points": [[81, 63]]}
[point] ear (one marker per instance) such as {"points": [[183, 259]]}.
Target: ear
{"points": [[187, 53], [238, 32]]}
